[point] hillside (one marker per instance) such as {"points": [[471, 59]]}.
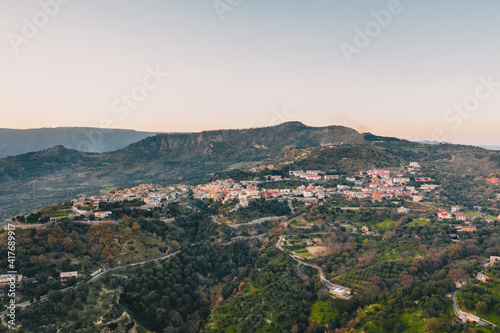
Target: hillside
{"points": [[32, 180], [96, 140]]}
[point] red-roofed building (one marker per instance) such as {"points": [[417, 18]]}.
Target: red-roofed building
{"points": [[444, 215], [483, 277], [468, 229], [493, 180]]}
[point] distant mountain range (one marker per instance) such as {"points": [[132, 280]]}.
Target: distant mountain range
{"points": [[31, 180], [95, 140], [489, 147]]}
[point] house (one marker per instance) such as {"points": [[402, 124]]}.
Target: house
{"points": [[468, 229], [339, 291], [65, 275], [403, 210], [102, 215], [392, 189], [400, 180], [329, 177], [444, 215], [414, 165], [428, 187], [377, 196], [455, 209], [494, 259], [483, 277], [461, 217], [7, 279], [418, 198], [365, 229], [423, 179], [96, 272]]}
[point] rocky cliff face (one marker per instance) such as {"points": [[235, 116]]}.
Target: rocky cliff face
{"points": [[31, 180], [254, 143]]}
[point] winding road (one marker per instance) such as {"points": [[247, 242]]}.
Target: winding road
{"points": [[237, 238], [327, 283], [46, 297], [464, 316], [467, 316], [134, 264], [257, 221]]}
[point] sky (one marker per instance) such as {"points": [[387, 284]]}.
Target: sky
{"points": [[420, 70]]}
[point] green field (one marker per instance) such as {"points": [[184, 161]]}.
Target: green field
{"points": [[300, 223], [472, 214], [387, 224], [60, 213], [322, 314], [418, 223], [303, 253]]}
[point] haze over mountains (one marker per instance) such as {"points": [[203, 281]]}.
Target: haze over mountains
{"points": [[95, 140], [31, 180]]}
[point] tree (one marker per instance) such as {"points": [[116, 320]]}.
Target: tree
{"points": [[481, 307], [175, 245], [68, 244], [433, 325], [323, 294], [456, 274]]}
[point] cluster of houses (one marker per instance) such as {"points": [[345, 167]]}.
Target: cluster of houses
{"points": [[385, 184], [480, 275], [381, 184], [454, 214], [246, 191], [151, 194]]}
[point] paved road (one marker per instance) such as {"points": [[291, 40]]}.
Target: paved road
{"points": [[325, 281], [257, 221], [261, 236], [28, 303], [464, 316], [46, 297], [353, 229], [135, 264], [467, 316]]}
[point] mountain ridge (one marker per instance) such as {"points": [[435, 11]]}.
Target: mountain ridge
{"points": [[31, 180], [88, 139]]}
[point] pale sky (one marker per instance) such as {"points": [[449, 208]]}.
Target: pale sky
{"points": [[266, 62]]}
